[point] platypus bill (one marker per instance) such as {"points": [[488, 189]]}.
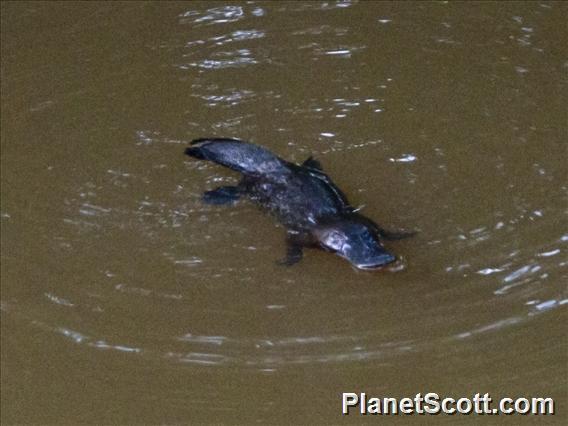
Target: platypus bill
{"points": [[303, 198]]}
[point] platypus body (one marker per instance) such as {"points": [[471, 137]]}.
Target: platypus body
{"points": [[303, 198]]}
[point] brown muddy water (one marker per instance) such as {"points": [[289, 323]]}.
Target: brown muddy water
{"points": [[125, 300]]}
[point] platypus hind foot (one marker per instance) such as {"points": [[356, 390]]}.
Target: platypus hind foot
{"points": [[222, 195]]}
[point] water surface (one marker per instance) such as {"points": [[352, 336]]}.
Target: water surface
{"points": [[126, 300]]}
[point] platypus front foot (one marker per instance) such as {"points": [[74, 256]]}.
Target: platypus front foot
{"points": [[289, 260], [294, 253], [395, 235]]}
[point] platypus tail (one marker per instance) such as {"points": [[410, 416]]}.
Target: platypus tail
{"points": [[244, 157]]}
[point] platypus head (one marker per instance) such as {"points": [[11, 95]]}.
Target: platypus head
{"points": [[354, 238]]}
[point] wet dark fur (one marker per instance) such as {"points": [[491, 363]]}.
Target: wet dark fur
{"points": [[303, 198]]}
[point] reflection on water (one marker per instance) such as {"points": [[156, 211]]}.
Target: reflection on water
{"points": [[116, 275]]}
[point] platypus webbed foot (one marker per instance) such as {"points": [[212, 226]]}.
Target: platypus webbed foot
{"points": [[290, 260], [222, 195], [395, 235], [295, 243], [312, 163], [294, 253]]}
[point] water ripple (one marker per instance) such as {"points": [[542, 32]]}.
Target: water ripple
{"points": [[216, 15]]}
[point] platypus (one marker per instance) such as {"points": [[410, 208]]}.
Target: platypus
{"points": [[303, 198]]}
